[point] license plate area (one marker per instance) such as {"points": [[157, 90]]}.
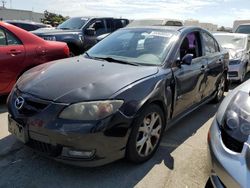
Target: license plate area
{"points": [[18, 130]]}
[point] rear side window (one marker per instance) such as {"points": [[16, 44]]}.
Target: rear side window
{"points": [[210, 45], [3, 41], [7, 38]]}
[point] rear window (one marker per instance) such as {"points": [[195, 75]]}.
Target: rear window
{"points": [[243, 29]]}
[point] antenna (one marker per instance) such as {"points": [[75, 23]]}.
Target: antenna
{"points": [[4, 2]]}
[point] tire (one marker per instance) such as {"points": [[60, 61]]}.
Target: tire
{"points": [[145, 136], [220, 89]]}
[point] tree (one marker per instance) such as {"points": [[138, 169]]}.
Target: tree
{"points": [[53, 19]]}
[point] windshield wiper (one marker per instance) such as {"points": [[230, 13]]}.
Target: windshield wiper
{"points": [[111, 59]]}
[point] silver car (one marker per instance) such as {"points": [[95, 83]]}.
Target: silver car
{"points": [[229, 140], [238, 47]]}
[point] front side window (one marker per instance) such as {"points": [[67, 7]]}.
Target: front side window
{"points": [[99, 27], [141, 46], [191, 45]]}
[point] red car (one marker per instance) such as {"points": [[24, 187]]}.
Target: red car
{"points": [[21, 50]]}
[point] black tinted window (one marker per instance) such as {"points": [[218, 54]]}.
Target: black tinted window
{"points": [[243, 29], [210, 44]]}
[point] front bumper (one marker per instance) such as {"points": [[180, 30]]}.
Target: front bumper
{"points": [[54, 137], [228, 168]]}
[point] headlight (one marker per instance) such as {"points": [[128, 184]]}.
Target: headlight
{"points": [[91, 110], [52, 38], [237, 115], [238, 55]]}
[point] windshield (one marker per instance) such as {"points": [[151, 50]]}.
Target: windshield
{"points": [[243, 29], [231, 41], [141, 46], [73, 23]]}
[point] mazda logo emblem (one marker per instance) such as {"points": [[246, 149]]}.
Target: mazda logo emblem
{"points": [[19, 102]]}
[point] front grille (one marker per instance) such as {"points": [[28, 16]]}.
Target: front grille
{"points": [[234, 62], [231, 143], [31, 107], [233, 74], [49, 149]]}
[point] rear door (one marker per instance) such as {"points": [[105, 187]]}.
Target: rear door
{"points": [[189, 79], [12, 55], [215, 60]]}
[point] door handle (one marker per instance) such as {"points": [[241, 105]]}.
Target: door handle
{"points": [[14, 52]]}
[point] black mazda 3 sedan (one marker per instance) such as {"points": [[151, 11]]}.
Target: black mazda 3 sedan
{"points": [[117, 99]]}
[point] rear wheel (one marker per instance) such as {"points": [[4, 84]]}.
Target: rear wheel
{"points": [[146, 134], [220, 89]]}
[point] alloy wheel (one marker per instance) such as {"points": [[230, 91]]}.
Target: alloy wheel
{"points": [[149, 134]]}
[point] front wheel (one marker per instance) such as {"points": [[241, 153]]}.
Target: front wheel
{"points": [[220, 89], [146, 134]]}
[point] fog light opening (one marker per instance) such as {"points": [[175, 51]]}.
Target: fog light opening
{"points": [[80, 154]]}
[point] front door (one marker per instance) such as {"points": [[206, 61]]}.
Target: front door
{"points": [[189, 79]]}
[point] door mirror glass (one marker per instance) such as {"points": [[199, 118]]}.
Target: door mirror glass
{"points": [[187, 59], [90, 32]]}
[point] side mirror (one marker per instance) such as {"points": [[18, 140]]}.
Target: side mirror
{"points": [[90, 32], [187, 59]]}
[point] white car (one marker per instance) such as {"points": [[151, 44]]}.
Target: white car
{"points": [[238, 47]]}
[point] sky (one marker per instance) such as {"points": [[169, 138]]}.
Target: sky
{"points": [[221, 12]]}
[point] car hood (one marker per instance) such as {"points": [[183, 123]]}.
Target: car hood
{"points": [[43, 31], [80, 79], [232, 52]]}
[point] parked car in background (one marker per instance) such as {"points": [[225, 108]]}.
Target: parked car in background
{"points": [[27, 25], [243, 28], [80, 33], [238, 46], [155, 22], [21, 50], [228, 140], [117, 99]]}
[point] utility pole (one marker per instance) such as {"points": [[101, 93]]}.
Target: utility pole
{"points": [[4, 2]]}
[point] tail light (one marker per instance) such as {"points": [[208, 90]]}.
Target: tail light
{"points": [[66, 50]]}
